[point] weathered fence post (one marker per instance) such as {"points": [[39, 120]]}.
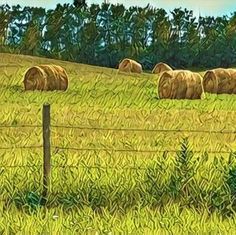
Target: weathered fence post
{"points": [[46, 149]]}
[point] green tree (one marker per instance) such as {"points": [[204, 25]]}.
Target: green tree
{"points": [[4, 22], [30, 43], [105, 34], [80, 3]]}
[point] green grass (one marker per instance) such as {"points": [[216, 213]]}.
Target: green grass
{"points": [[107, 191], [141, 221]]}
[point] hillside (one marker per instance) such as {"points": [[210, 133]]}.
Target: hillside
{"points": [[116, 164], [102, 97]]}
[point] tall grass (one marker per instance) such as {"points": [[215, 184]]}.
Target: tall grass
{"points": [[172, 220], [164, 195], [108, 191], [184, 180]]}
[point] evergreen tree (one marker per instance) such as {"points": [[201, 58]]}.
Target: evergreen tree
{"points": [[80, 3]]}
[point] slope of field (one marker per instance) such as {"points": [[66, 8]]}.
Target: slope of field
{"points": [[100, 97], [103, 98]]}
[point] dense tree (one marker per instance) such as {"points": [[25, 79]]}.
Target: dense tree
{"points": [[104, 34], [4, 20], [80, 3]]}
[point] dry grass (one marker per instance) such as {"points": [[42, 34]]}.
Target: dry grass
{"points": [[101, 97]]}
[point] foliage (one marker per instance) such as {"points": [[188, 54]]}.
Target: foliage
{"points": [[80, 3], [104, 34]]}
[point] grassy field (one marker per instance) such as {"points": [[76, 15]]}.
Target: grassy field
{"points": [[115, 192]]}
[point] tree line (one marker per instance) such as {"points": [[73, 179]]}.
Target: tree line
{"points": [[104, 34]]}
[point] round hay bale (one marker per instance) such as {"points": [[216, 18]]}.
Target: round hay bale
{"points": [[180, 84], [46, 78], [161, 67], [130, 66], [210, 82], [220, 81]]}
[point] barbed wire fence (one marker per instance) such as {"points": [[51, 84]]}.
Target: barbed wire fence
{"points": [[46, 146]]}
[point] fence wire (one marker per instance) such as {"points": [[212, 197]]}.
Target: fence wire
{"points": [[20, 147], [20, 126], [99, 167], [20, 166], [145, 130], [135, 150], [222, 131]]}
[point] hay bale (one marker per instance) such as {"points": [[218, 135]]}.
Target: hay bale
{"points": [[180, 84], [130, 66], [46, 78], [161, 67], [220, 81]]}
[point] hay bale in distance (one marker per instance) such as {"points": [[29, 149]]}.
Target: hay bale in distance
{"points": [[220, 81], [180, 84], [130, 66], [46, 78], [161, 67]]}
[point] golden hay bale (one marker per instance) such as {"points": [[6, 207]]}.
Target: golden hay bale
{"points": [[180, 84], [220, 81], [130, 66], [161, 67], [46, 78]]}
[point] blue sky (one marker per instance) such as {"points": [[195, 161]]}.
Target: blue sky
{"points": [[205, 7]]}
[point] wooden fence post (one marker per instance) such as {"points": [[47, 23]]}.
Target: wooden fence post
{"points": [[46, 149]]}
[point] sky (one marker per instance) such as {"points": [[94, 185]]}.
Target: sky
{"points": [[204, 7]]}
